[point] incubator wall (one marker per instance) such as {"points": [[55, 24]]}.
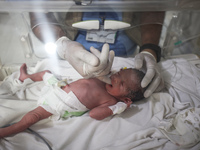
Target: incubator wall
{"points": [[180, 30], [183, 34]]}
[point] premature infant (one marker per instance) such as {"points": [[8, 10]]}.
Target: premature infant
{"points": [[101, 99]]}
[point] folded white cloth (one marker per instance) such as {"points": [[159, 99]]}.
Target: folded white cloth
{"points": [[184, 129]]}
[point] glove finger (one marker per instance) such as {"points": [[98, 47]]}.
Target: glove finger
{"points": [[87, 57], [152, 87], [105, 79], [95, 51], [111, 58], [138, 62], [148, 77], [104, 54], [161, 86], [109, 65]]}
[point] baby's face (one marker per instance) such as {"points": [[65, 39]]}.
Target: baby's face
{"points": [[120, 83]]}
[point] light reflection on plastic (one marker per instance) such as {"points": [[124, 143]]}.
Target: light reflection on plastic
{"points": [[50, 48]]}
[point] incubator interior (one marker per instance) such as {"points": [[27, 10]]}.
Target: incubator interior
{"points": [[168, 119], [180, 29]]}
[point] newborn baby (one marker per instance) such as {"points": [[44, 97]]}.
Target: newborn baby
{"points": [[100, 99]]}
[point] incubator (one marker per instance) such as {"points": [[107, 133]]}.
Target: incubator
{"points": [[29, 32], [99, 21]]}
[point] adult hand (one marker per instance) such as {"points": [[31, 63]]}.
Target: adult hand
{"points": [[106, 58], [94, 64], [147, 62]]}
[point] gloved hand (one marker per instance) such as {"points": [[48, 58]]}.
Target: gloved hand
{"points": [[94, 64], [147, 62], [106, 58]]}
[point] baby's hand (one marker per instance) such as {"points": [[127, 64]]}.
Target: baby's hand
{"points": [[128, 105]]}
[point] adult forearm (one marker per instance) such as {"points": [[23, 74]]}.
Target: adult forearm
{"points": [[152, 26], [45, 27], [151, 31]]}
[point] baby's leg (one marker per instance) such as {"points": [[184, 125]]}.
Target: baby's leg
{"points": [[28, 120], [35, 77]]}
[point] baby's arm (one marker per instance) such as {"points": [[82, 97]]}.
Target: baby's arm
{"points": [[35, 77], [29, 119], [100, 112]]}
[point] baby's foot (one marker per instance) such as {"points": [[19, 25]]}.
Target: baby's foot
{"points": [[23, 72]]}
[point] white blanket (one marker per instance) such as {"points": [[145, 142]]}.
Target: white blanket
{"points": [[148, 124]]}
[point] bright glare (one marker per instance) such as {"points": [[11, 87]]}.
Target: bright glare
{"points": [[50, 48]]}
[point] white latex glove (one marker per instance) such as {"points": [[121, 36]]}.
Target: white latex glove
{"points": [[94, 64], [106, 58], [146, 61]]}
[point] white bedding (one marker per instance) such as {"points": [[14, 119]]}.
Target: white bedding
{"points": [[148, 124]]}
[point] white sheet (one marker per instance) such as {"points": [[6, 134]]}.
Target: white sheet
{"points": [[140, 127]]}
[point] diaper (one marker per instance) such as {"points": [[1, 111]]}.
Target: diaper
{"points": [[56, 101]]}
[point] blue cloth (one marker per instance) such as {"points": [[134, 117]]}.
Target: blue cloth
{"points": [[123, 45]]}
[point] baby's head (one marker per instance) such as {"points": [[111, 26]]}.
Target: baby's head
{"points": [[126, 85], [136, 92]]}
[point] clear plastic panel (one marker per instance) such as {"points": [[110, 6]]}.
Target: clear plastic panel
{"points": [[97, 5], [18, 37], [14, 46], [46, 28], [183, 34]]}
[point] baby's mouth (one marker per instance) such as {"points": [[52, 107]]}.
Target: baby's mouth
{"points": [[111, 81]]}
